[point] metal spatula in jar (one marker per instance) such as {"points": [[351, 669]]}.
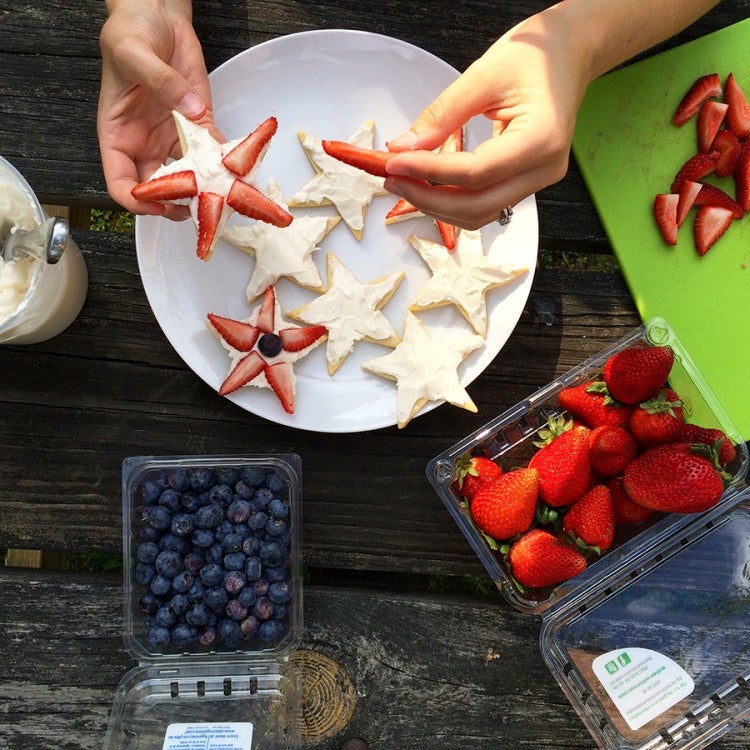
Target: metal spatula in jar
{"points": [[45, 242]]}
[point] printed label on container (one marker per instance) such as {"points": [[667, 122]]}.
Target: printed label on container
{"points": [[642, 683], [229, 736]]}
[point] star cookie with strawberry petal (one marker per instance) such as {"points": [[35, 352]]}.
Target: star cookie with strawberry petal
{"points": [[425, 369], [349, 189], [282, 252], [351, 311], [263, 349], [215, 179], [462, 277]]}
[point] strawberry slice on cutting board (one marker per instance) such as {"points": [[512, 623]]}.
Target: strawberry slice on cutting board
{"points": [[706, 87]]}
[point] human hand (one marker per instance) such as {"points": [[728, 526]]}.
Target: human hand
{"points": [[152, 63], [530, 84]]}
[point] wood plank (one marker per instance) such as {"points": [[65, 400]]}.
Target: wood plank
{"points": [[461, 671]]}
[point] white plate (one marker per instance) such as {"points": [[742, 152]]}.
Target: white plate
{"points": [[326, 83]]}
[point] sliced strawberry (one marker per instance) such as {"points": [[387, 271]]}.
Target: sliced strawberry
{"points": [[369, 160], [727, 146], [688, 193], [250, 202], [710, 224], [281, 378], [210, 206], [665, 211], [401, 210], [297, 339], [243, 157], [710, 118], [738, 115], [247, 369], [705, 87], [742, 176], [695, 168], [267, 312], [168, 187], [710, 195], [448, 234], [242, 336]]}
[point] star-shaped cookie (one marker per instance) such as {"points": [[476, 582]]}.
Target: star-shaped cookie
{"points": [[462, 277], [349, 189], [351, 311], [282, 252], [425, 369], [215, 179], [263, 349]]}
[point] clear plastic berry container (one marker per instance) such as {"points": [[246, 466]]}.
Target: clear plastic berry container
{"points": [[212, 602], [649, 643]]}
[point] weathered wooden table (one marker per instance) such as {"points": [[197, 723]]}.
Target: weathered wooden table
{"points": [[393, 663]]}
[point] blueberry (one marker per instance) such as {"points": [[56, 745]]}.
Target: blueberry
{"points": [[207, 636], [244, 490], [215, 554], [197, 592], [235, 610], [144, 573], [221, 494], [260, 587], [160, 585], [148, 603], [178, 479], [263, 608], [224, 528], [238, 510], [150, 491], [253, 475], [274, 482], [147, 552], [229, 477], [202, 538], [182, 524], [242, 529], [190, 502], [279, 592], [149, 533], [159, 517], [270, 630], [178, 605], [184, 635], [234, 581], [262, 497], [250, 546], [168, 563], [164, 617], [231, 633], [271, 553], [172, 542], [170, 499], [249, 625], [201, 480], [182, 582], [276, 528], [246, 597], [232, 542], [158, 636], [234, 561], [278, 508], [211, 574], [194, 561], [253, 568], [208, 517], [257, 521], [270, 345], [216, 597], [278, 573], [197, 615], [279, 611]]}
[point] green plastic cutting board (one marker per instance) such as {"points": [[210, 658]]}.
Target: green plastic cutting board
{"points": [[628, 150]]}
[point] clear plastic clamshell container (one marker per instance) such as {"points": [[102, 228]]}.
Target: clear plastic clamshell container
{"points": [[651, 643], [220, 676]]}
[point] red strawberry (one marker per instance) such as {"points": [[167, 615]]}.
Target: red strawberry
{"points": [[695, 168], [637, 374], [738, 115], [693, 433], [665, 212], [705, 87], [248, 368], [280, 377], [688, 193], [267, 311], [658, 420], [673, 478], [243, 157], [297, 339], [592, 518], [591, 403], [742, 176], [369, 160], [539, 559], [168, 187], [250, 202], [563, 466], [210, 206], [626, 510], [710, 195], [447, 234], [710, 118], [710, 224], [727, 146], [474, 471], [611, 449], [242, 336], [504, 507]]}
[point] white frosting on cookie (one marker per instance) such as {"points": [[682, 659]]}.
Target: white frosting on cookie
{"points": [[349, 189], [462, 277], [351, 311], [425, 369]]}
